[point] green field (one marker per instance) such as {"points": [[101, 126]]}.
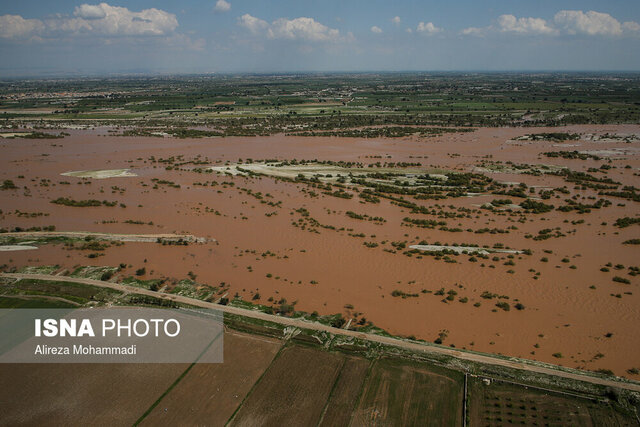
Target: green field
{"points": [[73, 292], [17, 302], [398, 391], [257, 105]]}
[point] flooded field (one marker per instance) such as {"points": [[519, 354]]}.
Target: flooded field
{"points": [[336, 225]]}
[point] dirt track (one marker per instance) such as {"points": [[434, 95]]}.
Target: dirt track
{"points": [[141, 238], [414, 346]]}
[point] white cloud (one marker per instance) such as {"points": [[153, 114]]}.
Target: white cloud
{"points": [[376, 30], [16, 27], [512, 24], [253, 24], [101, 20], [89, 11], [61, 26], [428, 28], [301, 29], [509, 23], [475, 31], [632, 27], [409, 30], [591, 23], [396, 20], [104, 19], [222, 6], [567, 22]]}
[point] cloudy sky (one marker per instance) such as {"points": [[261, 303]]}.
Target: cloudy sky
{"points": [[64, 37]]}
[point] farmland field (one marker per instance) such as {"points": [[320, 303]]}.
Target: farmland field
{"points": [[498, 403], [80, 394], [210, 393], [408, 394], [35, 302], [293, 391], [346, 392]]}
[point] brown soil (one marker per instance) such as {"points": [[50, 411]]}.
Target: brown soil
{"points": [[78, 394], [293, 391], [346, 391], [210, 393]]}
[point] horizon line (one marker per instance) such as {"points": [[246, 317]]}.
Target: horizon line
{"points": [[143, 74]]}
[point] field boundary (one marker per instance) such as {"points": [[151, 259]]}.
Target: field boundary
{"points": [[255, 384], [176, 382], [464, 402], [333, 389]]}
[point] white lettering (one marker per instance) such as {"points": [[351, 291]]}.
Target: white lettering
{"points": [[67, 327], [86, 329], [166, 327], [64, 328], [50, 328], [146, 330], [127, 327]]}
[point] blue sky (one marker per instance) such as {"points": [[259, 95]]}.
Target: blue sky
{"points": [[39, 37]]}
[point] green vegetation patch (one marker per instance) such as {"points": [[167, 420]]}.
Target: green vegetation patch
{"points": [[39, 269], [103, 273], [65, 201], [76, 292], [151, 284], [189, 288], [32, 302], [626, 222]]}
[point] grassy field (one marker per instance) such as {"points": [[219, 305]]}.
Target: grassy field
{"points": [[293, 391], [403, 393], [70, 291], [346, 392], [35, 302]]}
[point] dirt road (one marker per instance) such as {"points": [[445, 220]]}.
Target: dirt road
{"points": [[142, 238], [413, 346]]}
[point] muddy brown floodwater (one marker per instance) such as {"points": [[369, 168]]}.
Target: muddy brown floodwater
{"points": [[571, 309]]}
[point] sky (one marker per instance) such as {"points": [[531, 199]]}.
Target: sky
{"points": [[73, 38]]}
